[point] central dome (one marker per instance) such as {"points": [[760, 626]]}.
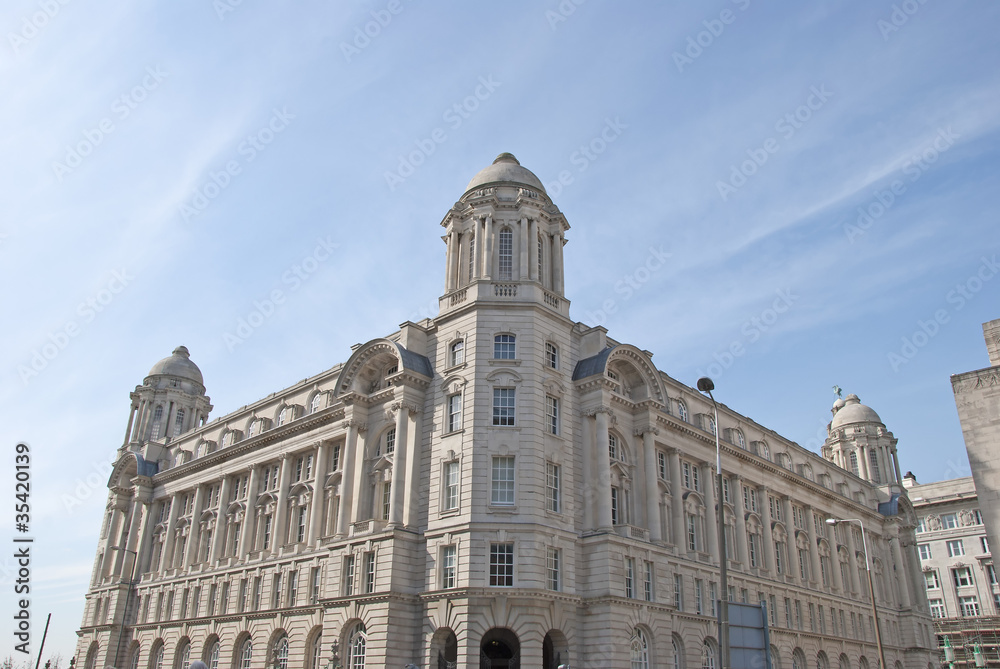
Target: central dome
{"points": [[853, 411], [178, 364], [505, 169]]}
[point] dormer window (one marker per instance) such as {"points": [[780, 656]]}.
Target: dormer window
{"points": [[682, 411], [314, 406], [612, 375], [282, 416], [391, 370]]}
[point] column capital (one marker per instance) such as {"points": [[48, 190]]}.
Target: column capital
{"points": [[593, 413], [643, 429], [360, 425]]}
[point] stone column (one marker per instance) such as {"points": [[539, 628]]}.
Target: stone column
{"points": [[117, 513], [168, 425], [603, 489], [863, 463], [533, 250], [853, 561], [767, 536], [588, 473], [411, 510], [281, 509], [838, 578], [652, 487], [523, 270], [676, 500], [360, 478], [347, 476], [318, 498], [149, 516], [397, 493], [221, 520], [711, 513], [899, 565], [488, 248], [195, 538], [811, 518], [895, 465], [131, 552], [545, 278], [741, 523], [448, 254], [131, 419], [145, 408], [166, 561], [557, 263], [250, 517], [791, 547]]}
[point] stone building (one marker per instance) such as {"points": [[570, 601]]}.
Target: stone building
{"points": [[498, 486], [957, 565], [977, 397]]}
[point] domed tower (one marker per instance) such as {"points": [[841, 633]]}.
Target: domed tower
{"points": [[170, 401], [859, 442], [504, 240]]}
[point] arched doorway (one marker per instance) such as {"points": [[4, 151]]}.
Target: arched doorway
{"points": [[444, 649], [555, 650], [500, 650]]}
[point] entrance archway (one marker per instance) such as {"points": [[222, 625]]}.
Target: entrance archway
{"points": [[500, 650], [555, 650], [444, 649]]}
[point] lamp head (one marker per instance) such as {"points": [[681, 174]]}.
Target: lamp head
{"points": [[832, 521], [705, 384]]}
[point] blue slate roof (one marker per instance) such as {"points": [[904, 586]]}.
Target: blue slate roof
{"points": [[415, 362], [595, 364], [890, 508]]}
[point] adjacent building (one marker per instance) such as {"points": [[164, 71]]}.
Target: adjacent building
{"points": [[499, 486]]}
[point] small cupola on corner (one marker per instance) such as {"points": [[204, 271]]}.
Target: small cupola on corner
{"points": [[504, 241]]}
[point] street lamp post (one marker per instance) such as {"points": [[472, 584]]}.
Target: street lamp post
{"points": [[871, 587], [706, 385], [128, 597]]}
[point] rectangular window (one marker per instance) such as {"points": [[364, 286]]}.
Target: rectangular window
{"points": [[695, 482], [267, 532], [753, 544], [921, 525], [977, 517], [184, 603], [300, 529], [170, 605], [629, 577], [552, 568], [812, 617], [956, 548], [335, 459], [448, 567], [699, 604], [552, 487], [258, 592], [503, 481], [369, 572], [504, 347], [788, 613], [314, 585], [224, 598], [244, 602], [450, 486], [348, 575], [949, 521], [615, 516], [505, 254], [692, 532], [502, 565], [679, 592], [454, 412], [276, 592], [969, 606], [686, 474], [661, 465], [925, 551], [962, 576], [773, 610], [991, 574], [937, 608], [213, 593], [503, 407], [552, 414], [779, 556], [293, 588], [984, 543], [386, 499], [804, 564], [551, 356], [647, 582], [798, 615]]}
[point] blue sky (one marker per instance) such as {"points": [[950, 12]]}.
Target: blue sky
{"points": [[743, 140]]}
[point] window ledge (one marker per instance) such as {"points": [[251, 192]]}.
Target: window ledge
{"points": [[454, 368], [501, 508], [504, 362], [453, 432]]}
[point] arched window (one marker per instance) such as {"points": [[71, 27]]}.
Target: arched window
{"points": [[472, 255], [157, 423], [213, 656], [179, 423], [91, 661], [740, 439], [356, 647], [682, 411], [712, 427], [246, 654], [504, 347], [254, 428], [707, 655], [798, 659], [541, 266], [873, 466], [387, 444], [134, 662], [282, 416], [640, 650], [317, 400], [677, 654], [183, 655], [551, 355], [613, 450], [281, 653], [316, 653], [506, 254], [853, 459], [156, 659], [457, 355]]}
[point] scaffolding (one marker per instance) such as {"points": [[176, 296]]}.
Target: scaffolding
{"points": [[968, 643]]}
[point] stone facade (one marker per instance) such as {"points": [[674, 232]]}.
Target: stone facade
{"points": [[977, 397], [496, 486]]}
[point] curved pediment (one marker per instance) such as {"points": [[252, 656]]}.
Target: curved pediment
{"points": [[365, 371]]}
